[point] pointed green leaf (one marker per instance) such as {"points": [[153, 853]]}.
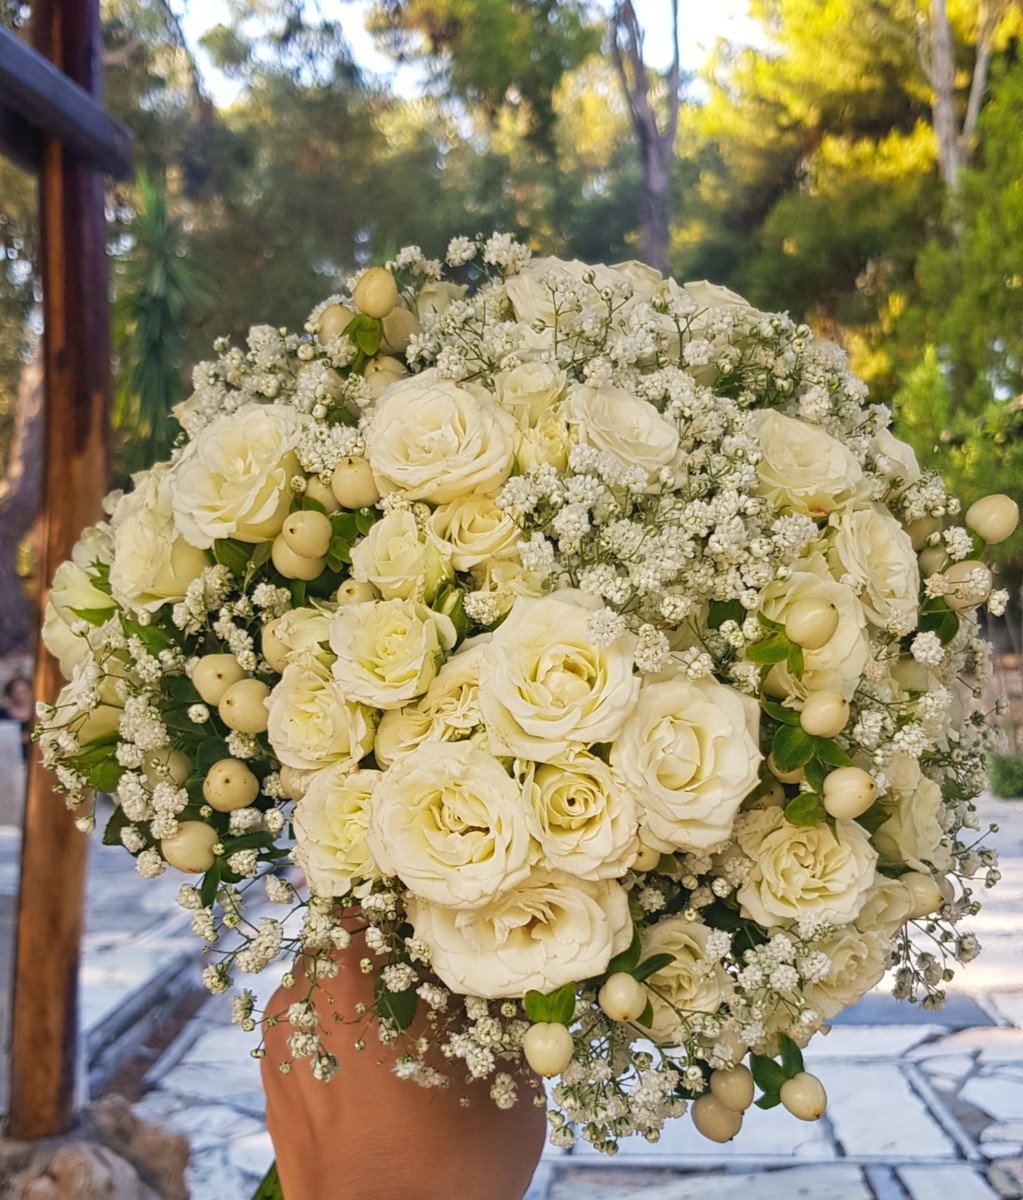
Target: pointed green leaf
{"points": [[792, 747], [563, 1004], [94, 616], [269, 1187], [396, 1007], [651, 965], [794, 660], [768, 1100], [772, 649], [720, 611], [767, 1074], [786, 716], [830, 752], [805, 809], [646, 1017], [791, 1056], [209, 886], [628, 959]]}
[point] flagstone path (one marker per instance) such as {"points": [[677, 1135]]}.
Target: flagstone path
{"points": [[922, 1106]]}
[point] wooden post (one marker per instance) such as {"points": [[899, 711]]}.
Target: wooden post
{"points": [[76, 347]]}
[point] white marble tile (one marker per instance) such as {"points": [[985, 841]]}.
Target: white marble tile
{"points": [[874, 1112], [956, 1181], [871, 1041], [999, 1097], [950, 1068], [1008, 1005], [804, 1183]]}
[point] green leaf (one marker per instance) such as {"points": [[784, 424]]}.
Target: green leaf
{"points": [[95, 616], [368, 340], [786, 716], [562, 1004], [233, 555], [873, 818], [767, 623], [768, 1100], [666, 864], [269, 1187], [260, 556], [720, 611], [298, 590], [792, 747], [651, 965], [628, 959], [365, 519], [209, 885], [767, 1074], [646, 1017], [791, 1056], [397, 1007], [345, 526], [248, 841], [940, 620], [805, 809], [794, 660], [772, 649], [830, 752], [536, 1006], [816, 772], [309, 503], [112, 832], [104, 776]]}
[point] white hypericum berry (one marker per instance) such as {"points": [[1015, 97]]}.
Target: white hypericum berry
{"points": [[307, 532], [848, 792], [274, 650], [804, 1096], [824, 714], [924, 892], [292, 565], [734, 1088], [969, 584], [646, 858], [229, 784], [713, 1120], [334, 319], [994, 518], [811, 623], [321, 493], [622, 997], [213, 674], [548, 1047], [165, 764], [353, 485], [376, 293], [191, 847], [243, 706]]}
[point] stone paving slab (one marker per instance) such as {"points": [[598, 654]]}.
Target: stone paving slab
{"points": [[837, 1182]]}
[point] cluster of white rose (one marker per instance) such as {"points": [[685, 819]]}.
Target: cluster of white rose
{"points": [[588, 637]]}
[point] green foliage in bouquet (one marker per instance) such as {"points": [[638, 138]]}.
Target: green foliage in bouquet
{"points": [[575, 652]]}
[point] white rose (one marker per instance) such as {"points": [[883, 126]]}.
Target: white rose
{"points": [[437, 441], [691, 982], [450, 822], [803, 468], [895, 459], [436, 297], [400, 563], [858, 962], [713, 295], [545, 687], [912, 833], [153, 564], [448, 712], [529, 391], [331, 821], [885, 909], [550, 931], [689, 753], [506, 581], [838, 665], [549, 442], [387, 651], [72, 589], [804, 869], [311, 724], [872, 547], [645, 281], [472, 530], [234, 480], [305, 631], [532, 299], [618, 423], [584, 822]]}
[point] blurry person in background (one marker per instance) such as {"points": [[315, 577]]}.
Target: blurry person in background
{"points": [[17, 706]]}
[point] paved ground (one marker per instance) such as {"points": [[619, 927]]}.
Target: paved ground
{"points": [[922, 1106]]}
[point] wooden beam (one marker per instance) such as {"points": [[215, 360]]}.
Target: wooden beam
{"points": [[32, 88], [77, 374], [19, 141]]}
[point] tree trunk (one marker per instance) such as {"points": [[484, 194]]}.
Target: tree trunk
{"points": [[20, 497], [654, 207], [942, 78]]}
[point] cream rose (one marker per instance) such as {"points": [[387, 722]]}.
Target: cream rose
{"points": [[912, 833], [437, 441], [692, 982], [896, 459], [331, 822], [387, 651], [874, 549], [471, 530], [803, 468], [858, 962], [529, 391], [886, 908], [304, 631], [688, 753], [506, 581], [632, 430], [838, 665], [533, 299], [713, 295], [448, 712], [551, 930], [153, 564], [549, 442], [234, 480], [436, 297], [311, 724], [398, 562], [584, 822], [803, 869], [72, 589], [545, 687], [449, 821]]}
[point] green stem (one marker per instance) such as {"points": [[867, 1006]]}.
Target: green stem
{"points": [[270, 1186]]}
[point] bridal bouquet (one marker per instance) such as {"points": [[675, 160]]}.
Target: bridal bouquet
{"points": [[589, 646]]}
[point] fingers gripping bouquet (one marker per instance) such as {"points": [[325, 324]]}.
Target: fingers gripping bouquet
{"points": [[589, 643]]}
